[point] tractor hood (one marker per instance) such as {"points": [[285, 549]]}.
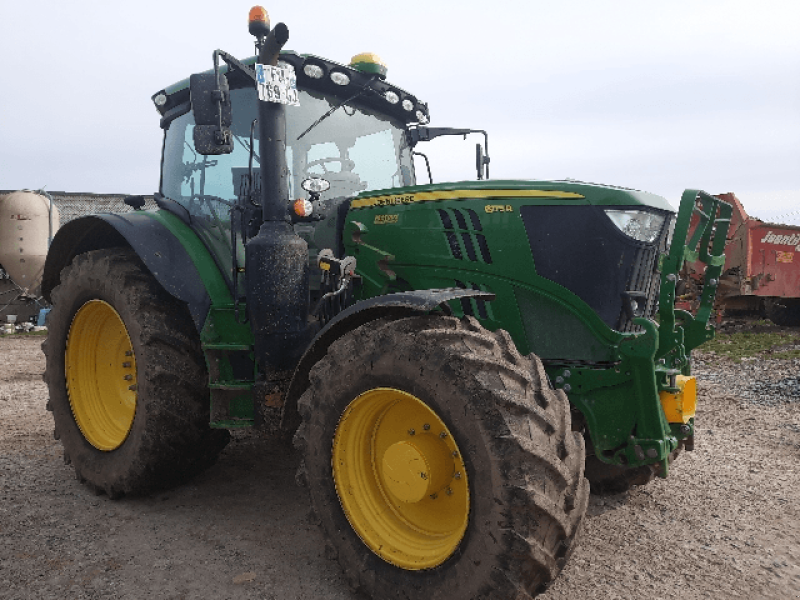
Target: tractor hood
{"points": [[568, 192]]}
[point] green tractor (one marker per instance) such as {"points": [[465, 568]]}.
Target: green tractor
{"points": [[457, 362]]}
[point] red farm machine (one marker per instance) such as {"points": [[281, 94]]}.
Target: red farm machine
{"points": [[761, 273]]}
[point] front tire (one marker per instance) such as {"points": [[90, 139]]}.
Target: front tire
{"points": [[127, 379], [503, 493]]}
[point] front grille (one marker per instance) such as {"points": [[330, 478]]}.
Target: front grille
{"points": [[579, 248], [644, 282]]}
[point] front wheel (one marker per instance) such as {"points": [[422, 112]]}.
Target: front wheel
{"points": [[440, 462], [127, 380]]}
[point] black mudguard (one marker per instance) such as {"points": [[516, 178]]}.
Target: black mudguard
{"points": [[392, 306], [161, 252]]}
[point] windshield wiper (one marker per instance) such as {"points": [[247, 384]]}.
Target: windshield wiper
{"points": [[246, 146], [365, 88]]}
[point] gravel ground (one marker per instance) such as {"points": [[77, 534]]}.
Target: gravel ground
{"points": [[726, 524]]}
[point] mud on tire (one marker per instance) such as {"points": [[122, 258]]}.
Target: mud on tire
{"points": [[525, 466], [169, 439]]}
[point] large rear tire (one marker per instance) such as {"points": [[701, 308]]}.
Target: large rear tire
{"points": [[444, 402], [127, 378]]}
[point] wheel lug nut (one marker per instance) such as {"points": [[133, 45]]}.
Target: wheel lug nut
{"points": [[128, 377], [133, 387], [449, 492], [455, 454], [434, 496], [411, 432], [128, 352], [126, 365], [426, 426], [457, 475], [443, 435]]}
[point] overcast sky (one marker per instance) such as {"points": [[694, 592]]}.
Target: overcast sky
{"points": [[654, 96]]}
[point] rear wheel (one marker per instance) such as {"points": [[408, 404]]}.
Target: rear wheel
{"points": [[440, 462], [126, 377]]}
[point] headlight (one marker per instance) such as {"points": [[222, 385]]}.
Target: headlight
{"points": [[641, 225]]}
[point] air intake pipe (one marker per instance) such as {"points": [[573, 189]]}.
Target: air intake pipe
{"points": [[276, 259]]}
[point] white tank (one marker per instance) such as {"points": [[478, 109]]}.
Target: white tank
{"points": [[24, 230]]}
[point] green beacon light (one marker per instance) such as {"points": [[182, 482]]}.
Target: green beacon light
{"points": [[369, 62]]}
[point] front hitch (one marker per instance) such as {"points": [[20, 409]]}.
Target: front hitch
{"points": [[707, 244], [642, 409]]}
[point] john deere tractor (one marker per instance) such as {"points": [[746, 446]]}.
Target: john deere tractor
{"points": [[453, 360]]}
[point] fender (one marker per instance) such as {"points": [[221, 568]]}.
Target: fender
{"points": [[393, 306], [169, 249]]}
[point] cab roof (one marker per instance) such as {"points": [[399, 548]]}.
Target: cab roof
{"points": [[382, 96]]}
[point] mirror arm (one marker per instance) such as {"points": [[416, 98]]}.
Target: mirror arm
{"points": [[233, 63], [421, 133], [218, 94], [427, 164]]}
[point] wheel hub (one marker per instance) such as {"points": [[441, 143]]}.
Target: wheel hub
{"points": [[100, 370], [400, 479], [413, 469]]}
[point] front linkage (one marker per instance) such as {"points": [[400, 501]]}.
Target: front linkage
{"points": [[654, 364]]}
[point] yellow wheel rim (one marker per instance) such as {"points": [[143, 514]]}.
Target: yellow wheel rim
{"points": [[101, 375], [400, 479]]}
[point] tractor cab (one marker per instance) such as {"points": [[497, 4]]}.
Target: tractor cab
{"points": [[349, 128]]}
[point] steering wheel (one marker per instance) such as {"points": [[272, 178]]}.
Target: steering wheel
{"points": [[322, 163]]}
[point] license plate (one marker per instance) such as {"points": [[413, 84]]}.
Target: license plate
{"points": [[277, 84]]}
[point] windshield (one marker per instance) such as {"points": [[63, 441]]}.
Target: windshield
{"points": [[354, 149]]}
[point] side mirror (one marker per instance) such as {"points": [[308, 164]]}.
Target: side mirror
{"points": [[481, 162], [211, 103]]}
